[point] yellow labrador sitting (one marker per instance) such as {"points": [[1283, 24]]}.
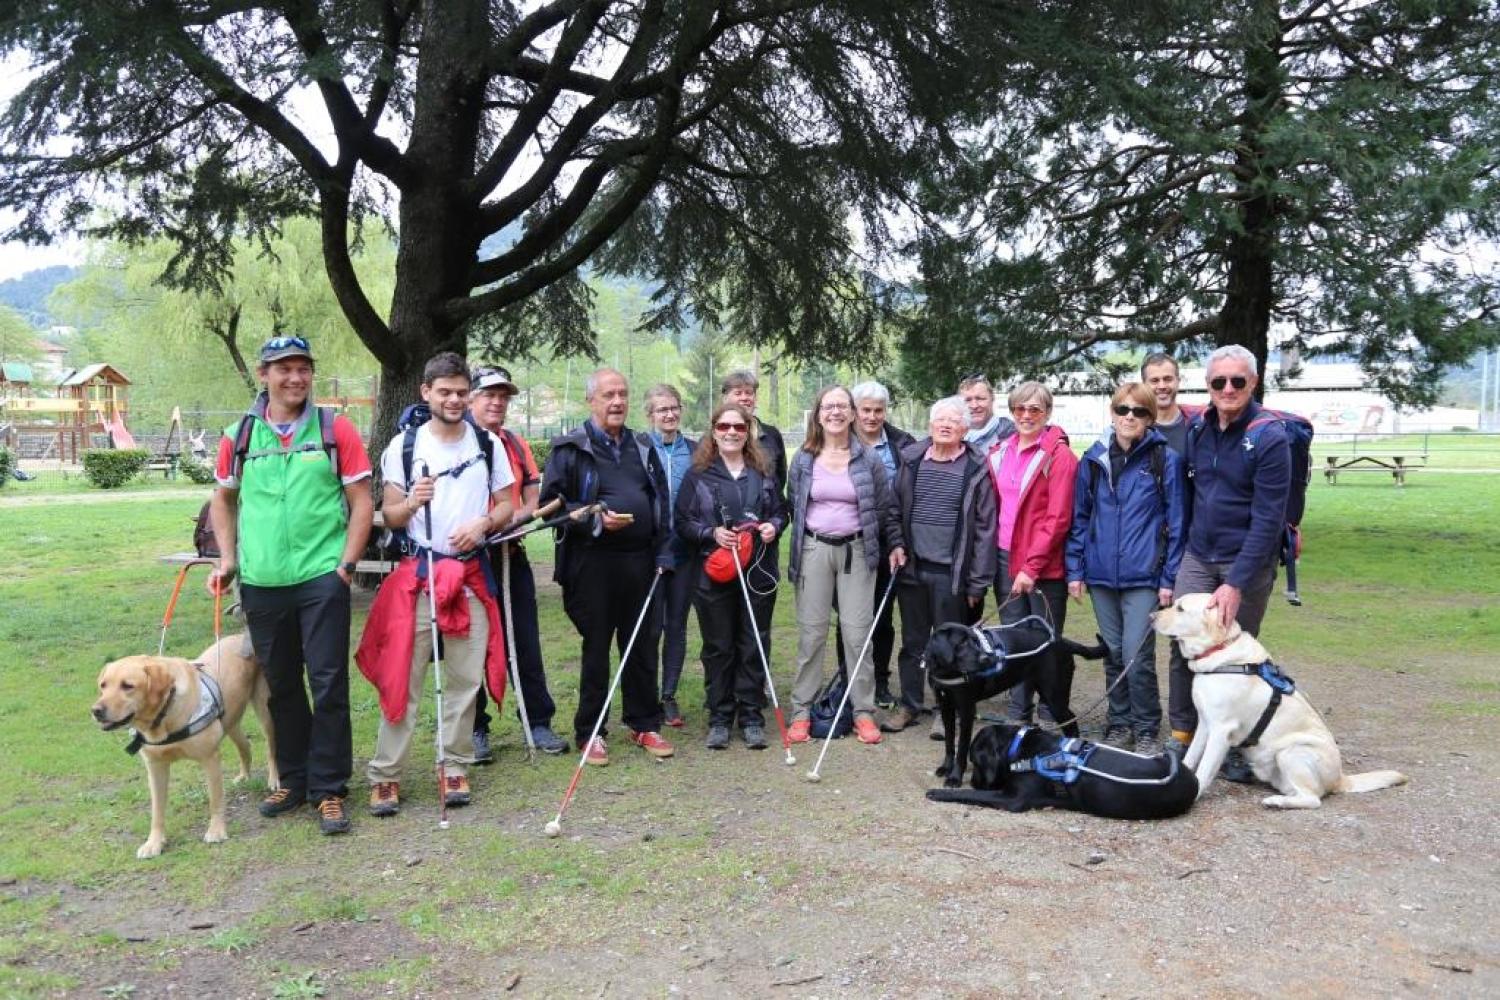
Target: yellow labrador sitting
{"points": [[1289, 745], [178, 709]]}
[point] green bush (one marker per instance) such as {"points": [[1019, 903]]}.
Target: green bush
{"points": [[108, 468], [540, 449], [199, 472], [7, 465]]}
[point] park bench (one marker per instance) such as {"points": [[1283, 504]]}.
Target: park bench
{"points": [[165, 464], [1397, 466]]}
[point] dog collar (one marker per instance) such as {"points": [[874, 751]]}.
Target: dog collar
{"points": [[1210, 651], [210, 710], [1015, 744]]}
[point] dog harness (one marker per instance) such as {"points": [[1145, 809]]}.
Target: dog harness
{"points": [[997, 657], [1269, 672], [210, 710], [1072, 758]]}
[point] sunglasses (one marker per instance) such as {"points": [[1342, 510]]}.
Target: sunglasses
{"points": [[1139, 412], [725, 427], [281, 343], [1218, 382], [1029, 409]]}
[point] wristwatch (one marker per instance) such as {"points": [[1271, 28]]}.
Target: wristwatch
{"points": [[348, 567]]}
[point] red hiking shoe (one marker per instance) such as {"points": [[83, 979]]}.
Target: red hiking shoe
{"points": [[597, 754], [652, 743], [800, 731], [866, 731]]}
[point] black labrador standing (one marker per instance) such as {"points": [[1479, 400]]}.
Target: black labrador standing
{"points": [[1017, 768], [967, 664]]}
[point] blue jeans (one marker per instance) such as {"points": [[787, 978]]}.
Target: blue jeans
{"points": [[675, 602], [1124, 618]]}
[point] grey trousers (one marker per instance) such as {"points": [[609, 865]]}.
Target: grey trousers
{"points": [[1195, 576], [822, 576]]}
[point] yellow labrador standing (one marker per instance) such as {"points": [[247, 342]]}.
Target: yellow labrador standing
{"points": [[175, 713], [1295, 752]]}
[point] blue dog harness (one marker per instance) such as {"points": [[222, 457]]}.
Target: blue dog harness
{"points": [[1071, 759], [1269, 672]]}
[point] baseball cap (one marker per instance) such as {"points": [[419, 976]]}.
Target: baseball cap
{"points": [[491, 377], [279, 348]]}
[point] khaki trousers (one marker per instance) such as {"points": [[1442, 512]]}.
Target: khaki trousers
{"points": [[463, 673], [823, 574]]}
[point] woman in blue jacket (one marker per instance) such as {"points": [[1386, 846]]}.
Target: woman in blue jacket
{"points": [[1124, 548]]}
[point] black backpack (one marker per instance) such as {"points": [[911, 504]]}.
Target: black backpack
{"points": [[825, 704]]}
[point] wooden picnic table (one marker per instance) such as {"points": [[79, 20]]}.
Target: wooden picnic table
{"points": [[1396, 465]]}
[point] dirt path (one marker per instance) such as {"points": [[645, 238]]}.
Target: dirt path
{"points": [[730, 875], [97, 496]]}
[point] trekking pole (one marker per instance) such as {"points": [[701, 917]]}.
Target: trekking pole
{"points": [[813, 775], [512, 534], [437, 667], [739, 572], [511, 666], [554, 827]]}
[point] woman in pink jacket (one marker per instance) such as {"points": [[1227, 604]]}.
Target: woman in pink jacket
{"points": [[1033, 472]]}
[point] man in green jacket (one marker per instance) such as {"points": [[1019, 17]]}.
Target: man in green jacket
{"points": [[291, 514]]}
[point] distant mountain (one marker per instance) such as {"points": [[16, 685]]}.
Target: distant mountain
{"points": [[28, 293]]}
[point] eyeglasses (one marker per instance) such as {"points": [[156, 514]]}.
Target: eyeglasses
{"points": [[668, 410], [1218, 382], [725, 427], [834, 408], [282, 343], [1029, 410], [1139, 412]]}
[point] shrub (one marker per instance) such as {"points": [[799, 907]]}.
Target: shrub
{"points": [[199, 472], [108, 468], [540, 449], [7, 465]]}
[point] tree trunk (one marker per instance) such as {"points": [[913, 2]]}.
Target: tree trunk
{"points": [[1251, 251], [438, 215]]}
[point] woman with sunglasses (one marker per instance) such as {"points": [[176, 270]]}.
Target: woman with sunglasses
{"points": [[1124, 549], [1033, 472], [844, 521], [730, 491]]}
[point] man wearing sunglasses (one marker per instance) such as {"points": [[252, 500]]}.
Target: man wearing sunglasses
{"points": [[291, 514], [1241, 472]]}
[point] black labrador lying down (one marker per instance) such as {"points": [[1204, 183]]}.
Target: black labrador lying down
{"points": [[1021, 767], [967, 664]]}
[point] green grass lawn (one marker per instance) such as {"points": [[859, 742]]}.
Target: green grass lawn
{"points": [[1392, 579]]}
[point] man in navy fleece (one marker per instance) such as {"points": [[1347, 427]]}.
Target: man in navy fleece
{"points": [[1240, 465]]}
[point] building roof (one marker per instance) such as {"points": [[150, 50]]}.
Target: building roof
{"points": [[89, 373], [16, 371]]}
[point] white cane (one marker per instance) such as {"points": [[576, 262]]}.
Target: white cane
{"points": [[512, 668]]}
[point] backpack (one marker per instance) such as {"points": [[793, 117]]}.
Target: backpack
{"points": [[1299, 436], [396, 543], [204, 541], [825, 704]]}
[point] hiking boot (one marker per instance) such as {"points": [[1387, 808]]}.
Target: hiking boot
{"points": [[1237, 769], [385, 798], [482, 752], [1147, 744], [865, 730], [901, 718], [332, 817], [1118, 736], [883, 697], [937, 732], [282, 800], [456, 790], [652, 743], [800, 731], [547, 741], [597, 753], [718, 737], [755, 736], [1177, 744], [671, 714]]}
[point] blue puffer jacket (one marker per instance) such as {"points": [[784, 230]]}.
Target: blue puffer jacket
{"points": [[1117, 540]]}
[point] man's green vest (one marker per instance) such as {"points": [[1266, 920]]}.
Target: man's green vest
{"points": [[292, 521]]}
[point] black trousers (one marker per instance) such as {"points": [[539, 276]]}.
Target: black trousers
{"points": [[307, 623], [927, 601], [676, 597], [736, 680], [884, 640], [529, 672], [1049, 600], [603, 596]]}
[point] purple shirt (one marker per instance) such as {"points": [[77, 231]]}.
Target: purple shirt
{"points": [[832, 507], [1012, 470]]}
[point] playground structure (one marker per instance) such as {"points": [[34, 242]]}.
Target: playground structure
{"points": [[86, 409]]}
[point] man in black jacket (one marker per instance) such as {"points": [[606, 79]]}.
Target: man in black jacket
{"points": [[606, 564], [948, 520], [740, 387]]}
